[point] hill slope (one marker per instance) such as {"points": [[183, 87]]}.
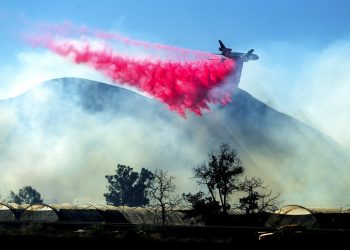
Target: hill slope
{"points": [[70, 132]]}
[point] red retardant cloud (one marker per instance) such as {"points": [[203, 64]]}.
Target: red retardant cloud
{"points": [[182, 85]]}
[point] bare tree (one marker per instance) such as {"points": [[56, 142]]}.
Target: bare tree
{"points": [[161, 193], [221, 174], [257, 200]]}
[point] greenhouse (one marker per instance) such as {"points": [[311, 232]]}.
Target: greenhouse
{"points": [[86, 213], [310, 217], [292, 214], [7, 212]]}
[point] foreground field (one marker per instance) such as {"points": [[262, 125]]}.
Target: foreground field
{"points": [[88, 234]]}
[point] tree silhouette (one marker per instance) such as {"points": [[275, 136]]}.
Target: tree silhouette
{"points": [[257, 200], [202, 207], [220, 175], [162, 194], [26, 195], [127, 187]]}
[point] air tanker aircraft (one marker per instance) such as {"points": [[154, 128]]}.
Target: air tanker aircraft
{"points": [[238, 57], [245, 57]]}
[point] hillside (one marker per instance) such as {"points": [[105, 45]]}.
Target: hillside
{"points": [[71, 132]]}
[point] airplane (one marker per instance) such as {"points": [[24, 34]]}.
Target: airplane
{"points": [[245, 57], [238, 57]]}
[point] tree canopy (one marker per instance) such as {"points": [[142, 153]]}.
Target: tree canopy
{"points": [[220, 174], [26, 195], [257, 200], [128, 187]]}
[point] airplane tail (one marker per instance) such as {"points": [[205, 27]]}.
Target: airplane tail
{"points": [[225, 51], [222, 46]]}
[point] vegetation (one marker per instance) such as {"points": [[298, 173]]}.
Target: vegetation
{"points": [[220, 175], [127, 187], [161, 192], [26, 195], [202, 207], [257, 200]]}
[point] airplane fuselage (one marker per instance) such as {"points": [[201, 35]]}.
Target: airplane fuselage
{"points": [[238, 57]]}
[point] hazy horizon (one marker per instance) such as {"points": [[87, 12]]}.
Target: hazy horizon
{"points": [[302, 71]]}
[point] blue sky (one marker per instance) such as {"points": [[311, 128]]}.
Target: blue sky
{"points": [[191, 24], [303, 46]]}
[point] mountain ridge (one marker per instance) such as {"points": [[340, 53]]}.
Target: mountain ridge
{"points": [[287, 153]]}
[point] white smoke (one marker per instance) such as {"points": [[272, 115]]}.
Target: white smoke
{"points": [[33, 67], [310, 85], [66, 159]]}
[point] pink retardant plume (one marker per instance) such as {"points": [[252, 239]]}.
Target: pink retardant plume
{"points": [[68, 29], [177, 52], [181, 85]]}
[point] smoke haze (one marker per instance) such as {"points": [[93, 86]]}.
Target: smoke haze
{"points": [[63, 144], [64, 136], [310, 85]]}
